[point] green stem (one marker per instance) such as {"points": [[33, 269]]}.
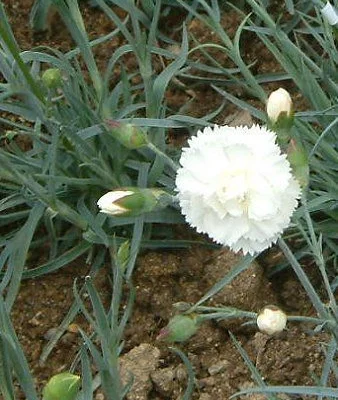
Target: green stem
{"points": [[147, 77], [307, 285], [242, 265], [165, 158], [232, 314], [318, 256], [301, 318]]}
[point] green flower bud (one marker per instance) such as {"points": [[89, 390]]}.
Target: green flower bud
{"points": [[298, 160], [64, 386], [52, 78], [123, 254], [132, 201], [179, 329], [128, 135]]}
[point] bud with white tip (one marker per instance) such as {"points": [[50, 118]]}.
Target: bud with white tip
{"points": [[109, 203], [280, 116], [330, 14], [271, 320], [279, 103], [134, 201]]}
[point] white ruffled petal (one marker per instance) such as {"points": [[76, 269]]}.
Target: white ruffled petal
{"points": [[236, 186]]}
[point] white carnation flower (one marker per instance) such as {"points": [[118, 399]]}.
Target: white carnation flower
{"points": [[236, 186]]}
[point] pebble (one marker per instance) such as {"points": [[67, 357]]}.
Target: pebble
{"points": [[163, 380], [204, 396], [35, 321], [181, 373], [218, 367], [73, 328], [206, 382], [248, 291], [138, 364]]}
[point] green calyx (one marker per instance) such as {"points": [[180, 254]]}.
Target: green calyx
{"points": [[52, 78], [180, 328], [142, 201], [282, 127], [64, 386], [298, 160], [128, 135]]}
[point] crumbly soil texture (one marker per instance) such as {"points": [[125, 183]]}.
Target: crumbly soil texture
{"points": [[163, 278]]}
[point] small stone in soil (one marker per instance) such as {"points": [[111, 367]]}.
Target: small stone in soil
{"points": [[205, 396], [206, 382], [163, 380], [218, 367], [181, 373], [138, 364]]}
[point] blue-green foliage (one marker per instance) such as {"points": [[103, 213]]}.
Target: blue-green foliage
{"points": [[59, 157]]}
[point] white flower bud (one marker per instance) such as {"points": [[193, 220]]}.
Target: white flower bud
{"points": [[279, 102], [108, 203], [130, 202], [271, 320], [330, 14]]}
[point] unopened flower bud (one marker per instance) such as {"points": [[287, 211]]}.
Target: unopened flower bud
{"points": [[123, 255], [64, 386], [128, 135], [179, 329], [271, 320], [52, 78], [298, 160], [132, 201], [109, 203], [330, 14], [279, 104]]}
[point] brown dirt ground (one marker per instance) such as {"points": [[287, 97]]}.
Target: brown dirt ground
{"points": [[163, 278]]}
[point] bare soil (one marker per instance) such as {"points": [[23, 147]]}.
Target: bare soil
{"points": [[163, 278]]}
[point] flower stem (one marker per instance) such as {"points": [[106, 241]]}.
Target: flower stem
{"points": [[301, 318], [318, 256], [316, 301], [223, 315], [165, 158], [242, 265]]}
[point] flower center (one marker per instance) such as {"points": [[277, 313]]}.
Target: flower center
{"points": [[233, 192], [234, 184]]}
